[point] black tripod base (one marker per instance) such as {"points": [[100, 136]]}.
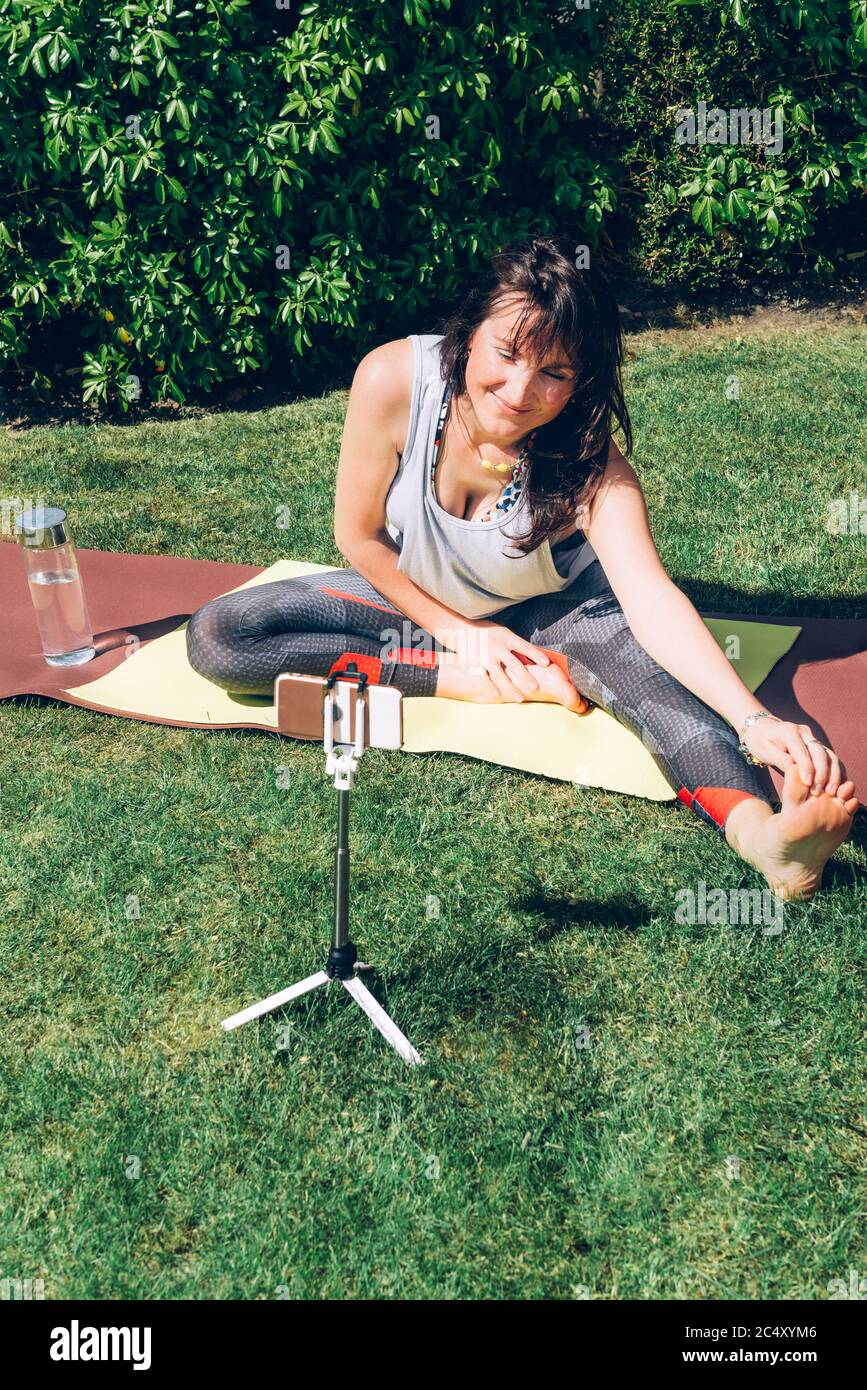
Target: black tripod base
{"points": [[341, 962]]}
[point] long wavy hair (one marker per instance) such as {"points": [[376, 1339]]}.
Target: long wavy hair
{"points": [[564, 307]]}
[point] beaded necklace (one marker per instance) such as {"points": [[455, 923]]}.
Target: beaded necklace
{"points": [[511, 492]]}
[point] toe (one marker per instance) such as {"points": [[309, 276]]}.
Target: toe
{"points": [[794, 789]]}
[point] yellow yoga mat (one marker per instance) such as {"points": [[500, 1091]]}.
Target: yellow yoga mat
{"points": [[593, 750]]}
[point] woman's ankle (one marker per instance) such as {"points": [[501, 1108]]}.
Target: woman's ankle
{"points": [[745, 819]]}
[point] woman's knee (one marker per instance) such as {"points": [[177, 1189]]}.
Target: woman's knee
{"points": [[207, 651]]}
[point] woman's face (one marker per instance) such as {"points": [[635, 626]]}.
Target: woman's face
{"points": [[495, 380]]}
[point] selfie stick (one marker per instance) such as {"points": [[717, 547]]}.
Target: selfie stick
{"points": [[342, 963]]}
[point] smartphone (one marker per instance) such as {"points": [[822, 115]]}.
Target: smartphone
{"points": [[300, 703]]}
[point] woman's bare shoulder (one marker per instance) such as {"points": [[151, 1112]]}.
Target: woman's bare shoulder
{"points": [[617, 469], [387, 372]]}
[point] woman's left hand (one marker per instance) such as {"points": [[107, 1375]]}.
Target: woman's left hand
{"points": [[780, 743]]}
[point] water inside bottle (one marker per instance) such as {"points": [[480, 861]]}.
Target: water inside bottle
{"points": [[62, 617]]}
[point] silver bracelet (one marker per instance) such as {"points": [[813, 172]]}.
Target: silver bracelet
{"points": [[748, 722]]}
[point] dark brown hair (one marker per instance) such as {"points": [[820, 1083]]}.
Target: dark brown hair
{"points": [[564, 306]]}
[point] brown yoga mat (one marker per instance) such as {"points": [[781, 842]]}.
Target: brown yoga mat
{"points": [[821, 681]]}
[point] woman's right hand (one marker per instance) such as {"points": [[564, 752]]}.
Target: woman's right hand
{"points": [[500, 663]]}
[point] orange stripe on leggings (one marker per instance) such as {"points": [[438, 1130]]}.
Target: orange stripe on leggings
{"points": [[395, 612], [415, 656], [371, 665], [716, 801]]}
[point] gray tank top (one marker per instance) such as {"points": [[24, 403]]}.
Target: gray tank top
{"points": [[466, 565]]}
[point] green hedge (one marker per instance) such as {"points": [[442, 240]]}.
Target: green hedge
{"points": [[197, 193], [709, 216]]}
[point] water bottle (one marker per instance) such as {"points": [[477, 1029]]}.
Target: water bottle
{"points": [[55, 586]]}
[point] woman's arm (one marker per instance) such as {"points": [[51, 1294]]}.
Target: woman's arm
{"points": [[671, 630], [663, 619], [367, 465]]}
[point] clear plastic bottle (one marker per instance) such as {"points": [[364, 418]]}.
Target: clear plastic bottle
{"points": [[55, 586]]}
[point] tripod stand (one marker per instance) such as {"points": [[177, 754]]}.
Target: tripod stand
{"points": [[342, 963]]}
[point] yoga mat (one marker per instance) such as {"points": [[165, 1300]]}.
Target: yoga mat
{"points": [[139, 606]]}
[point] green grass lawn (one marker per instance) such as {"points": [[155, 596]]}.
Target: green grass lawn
{"points": [[147, 1154]]}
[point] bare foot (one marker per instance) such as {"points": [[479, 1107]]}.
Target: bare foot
{"points": [[458, 681], [792, 847]]}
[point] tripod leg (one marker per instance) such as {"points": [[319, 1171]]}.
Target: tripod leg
{"points": [[380, 1019], [275, 1000]]}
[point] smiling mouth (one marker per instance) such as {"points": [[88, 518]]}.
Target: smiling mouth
{"points": [[510, 410]]}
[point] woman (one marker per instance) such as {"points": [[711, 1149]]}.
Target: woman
{"points": [[492, 524]]}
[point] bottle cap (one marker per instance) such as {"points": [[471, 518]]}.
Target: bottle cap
{"points": [[44, 527]]}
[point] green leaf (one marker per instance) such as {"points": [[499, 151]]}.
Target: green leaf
{"points": [[328, 139], [703, 210]]}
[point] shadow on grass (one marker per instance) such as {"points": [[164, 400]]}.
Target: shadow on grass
{"points": [[849, 632], [499, 972], [559, 915], [844, 877]]}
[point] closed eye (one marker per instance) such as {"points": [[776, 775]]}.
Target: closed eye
{"points": [[556, 377]]}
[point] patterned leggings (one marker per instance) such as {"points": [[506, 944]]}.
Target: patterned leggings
{"points": [[318, 623]]}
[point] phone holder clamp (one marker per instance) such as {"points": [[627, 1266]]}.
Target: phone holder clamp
{"points": [[343, 758]]}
